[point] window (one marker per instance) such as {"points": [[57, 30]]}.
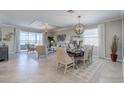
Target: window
{"points": [[91, 37], [30, 38]]}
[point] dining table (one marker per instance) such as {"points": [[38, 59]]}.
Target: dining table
{"points": [[76, 55]]}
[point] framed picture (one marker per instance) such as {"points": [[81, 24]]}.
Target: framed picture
{"points": [[61, 37]]}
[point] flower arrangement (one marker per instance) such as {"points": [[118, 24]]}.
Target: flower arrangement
{"points": [[50, 40]]}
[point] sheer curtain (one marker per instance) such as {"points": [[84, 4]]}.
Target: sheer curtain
{"points": [[101, 31], [91, 37]]}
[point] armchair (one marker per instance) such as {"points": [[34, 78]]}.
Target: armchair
{"points": [[41, 50]]}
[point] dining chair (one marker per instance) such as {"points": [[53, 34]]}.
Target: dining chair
{"points": [[63, 59], [88, 53], [41, 50], [91, 54], [30, 48]]}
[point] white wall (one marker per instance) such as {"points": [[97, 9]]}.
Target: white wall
{"points": [[11, 43], [68, 33], [112, 28]]}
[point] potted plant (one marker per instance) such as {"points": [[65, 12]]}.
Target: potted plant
{"points": [[51, 40], [114, 48]]}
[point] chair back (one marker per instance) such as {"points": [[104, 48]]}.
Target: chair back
{"points": [[86, 55], [60, 55], [91, 50], [41, 50], [88, 52], [91, 53]]}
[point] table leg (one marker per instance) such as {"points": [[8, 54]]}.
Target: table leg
{"points": [[76, 66]]}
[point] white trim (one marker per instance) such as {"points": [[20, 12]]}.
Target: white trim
{"points": [[115, 19], [122, 15], [122, 37], [109, 59]]}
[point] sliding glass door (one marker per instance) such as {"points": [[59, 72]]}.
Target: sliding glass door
{"points": [[31, 38]]}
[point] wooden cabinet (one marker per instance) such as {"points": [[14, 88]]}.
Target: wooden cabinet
{"points": [[3, 53]]}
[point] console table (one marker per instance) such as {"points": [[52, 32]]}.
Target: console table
{"points": [[3, 53]]}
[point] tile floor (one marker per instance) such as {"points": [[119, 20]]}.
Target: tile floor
{"points": [[26, 68]]}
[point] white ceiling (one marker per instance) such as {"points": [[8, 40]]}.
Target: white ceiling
{"points": [[55, 18]]}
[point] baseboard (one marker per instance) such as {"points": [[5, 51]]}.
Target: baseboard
{"points": [[118, 60]]}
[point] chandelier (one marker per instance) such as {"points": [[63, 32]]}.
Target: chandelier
{"points": [[79, 28], [46, 30]]}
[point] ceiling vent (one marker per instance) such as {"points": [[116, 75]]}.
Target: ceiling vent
{"points": [[70, 11]]}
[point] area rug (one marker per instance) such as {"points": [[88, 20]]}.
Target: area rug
{"points": [[86, 73], [81, 74]]}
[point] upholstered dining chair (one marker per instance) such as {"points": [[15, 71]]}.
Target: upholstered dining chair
{"points": [[91, 54], [41, 50], [30, 48], [88, 53], [63, 59]]}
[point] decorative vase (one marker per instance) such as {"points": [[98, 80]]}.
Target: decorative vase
{"points": [[114, 57]]}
